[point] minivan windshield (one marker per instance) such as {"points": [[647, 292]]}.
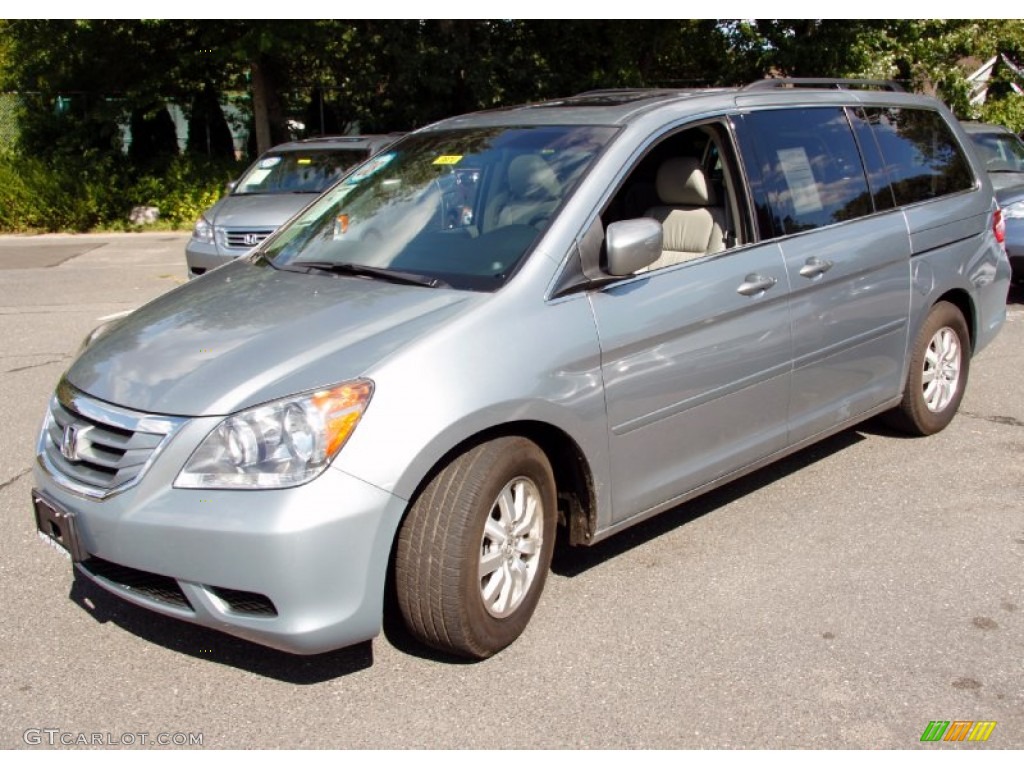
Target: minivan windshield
{"points": [[308, 171], [461, 207]]}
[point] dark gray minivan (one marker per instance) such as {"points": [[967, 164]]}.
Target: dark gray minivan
{"points": [[553, 320]]}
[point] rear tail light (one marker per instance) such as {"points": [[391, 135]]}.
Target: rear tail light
{"points": [[999, 226]]}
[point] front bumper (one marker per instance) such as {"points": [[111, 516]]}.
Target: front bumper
{"points": [[300, 569], [202, 257]]}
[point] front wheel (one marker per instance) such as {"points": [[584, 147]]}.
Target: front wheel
{"points": [[939, 365], [474, 551]]}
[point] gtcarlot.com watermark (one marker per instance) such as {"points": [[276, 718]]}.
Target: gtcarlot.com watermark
{"points": [[57, 737]]}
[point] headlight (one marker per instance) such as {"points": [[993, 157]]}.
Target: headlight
{"points": [[203, 231], [280, 444], [1014, 210]]}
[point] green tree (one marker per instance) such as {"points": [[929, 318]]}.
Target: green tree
{"points": [[86, 78]]}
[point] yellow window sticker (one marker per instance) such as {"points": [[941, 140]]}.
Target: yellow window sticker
{"points": [[447, 159], [304, 160]]}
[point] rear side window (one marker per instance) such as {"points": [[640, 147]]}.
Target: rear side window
{"points": [[805, 168], [921, 156]]}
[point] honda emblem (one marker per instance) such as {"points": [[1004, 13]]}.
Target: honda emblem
{"points": [[69, 445]]}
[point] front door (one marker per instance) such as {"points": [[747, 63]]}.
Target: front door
{"points": [[696, 364]]}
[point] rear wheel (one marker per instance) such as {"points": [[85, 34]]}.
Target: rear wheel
{"points": [[938, 372], [474, 551]]}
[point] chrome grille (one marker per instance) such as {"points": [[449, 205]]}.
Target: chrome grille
{"points": [[95, 448], [244, 239]]}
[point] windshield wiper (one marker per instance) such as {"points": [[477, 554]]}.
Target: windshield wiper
{"points": [[362, 270]]}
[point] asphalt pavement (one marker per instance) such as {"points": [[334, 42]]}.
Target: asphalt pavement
{"points": [[845, 597]]}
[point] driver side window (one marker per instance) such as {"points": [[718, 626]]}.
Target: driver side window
{"points": [[687, 182]]}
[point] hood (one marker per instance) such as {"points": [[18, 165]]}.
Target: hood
{"points": [[249, 333], [245, 211]]}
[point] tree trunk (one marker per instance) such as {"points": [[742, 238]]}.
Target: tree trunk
{"points": [[260, 111]]}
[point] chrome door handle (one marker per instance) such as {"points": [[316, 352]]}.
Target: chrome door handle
{"points": [[755, 285], [815, 267]]}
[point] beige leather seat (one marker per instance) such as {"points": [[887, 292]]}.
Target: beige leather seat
{"points": [[533, 192], [692, 223]]}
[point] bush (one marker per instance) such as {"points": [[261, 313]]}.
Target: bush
{"points": [[183, 191], [91, 193], [34, 197], [1008, 112]]}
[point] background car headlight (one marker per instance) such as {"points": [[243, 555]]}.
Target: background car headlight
{"points": [[203, 231], [1014, 210], [280, 444]]}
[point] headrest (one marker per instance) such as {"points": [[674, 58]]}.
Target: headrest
{"points": [[681, 181], [530, 177]]}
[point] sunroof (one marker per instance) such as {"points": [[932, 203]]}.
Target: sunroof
{"points": [[604, 98]]}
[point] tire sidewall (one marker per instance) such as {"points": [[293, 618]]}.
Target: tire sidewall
{"points": [[516, 458], [925, 421]]}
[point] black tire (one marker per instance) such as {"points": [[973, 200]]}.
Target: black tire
{"points": [[942, 344], [442, 549]]}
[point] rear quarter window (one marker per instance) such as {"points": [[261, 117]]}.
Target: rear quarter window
{"points": [[922, 158]]}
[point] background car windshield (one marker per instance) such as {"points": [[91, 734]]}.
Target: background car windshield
{"points": [[463, 206], [310, 171], [1000, 151]]}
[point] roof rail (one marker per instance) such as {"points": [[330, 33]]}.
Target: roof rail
{"points": [[839, 83]]}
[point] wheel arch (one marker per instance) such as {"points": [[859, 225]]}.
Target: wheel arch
{"points": [[574, 479], [960, 299]]}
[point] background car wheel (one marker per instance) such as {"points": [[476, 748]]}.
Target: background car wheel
{"points": [[474, 550], [938, 373]]}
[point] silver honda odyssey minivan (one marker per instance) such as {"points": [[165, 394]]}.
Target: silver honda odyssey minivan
{"points": [[514, 326]]}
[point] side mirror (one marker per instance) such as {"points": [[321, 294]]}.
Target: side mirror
{"points": [[632, 245], [230, 187]]}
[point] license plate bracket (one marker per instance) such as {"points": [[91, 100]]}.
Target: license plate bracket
{"points": [[58, 527]]}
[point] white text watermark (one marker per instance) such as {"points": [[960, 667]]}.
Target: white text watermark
{"points": [[57, 737]]}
